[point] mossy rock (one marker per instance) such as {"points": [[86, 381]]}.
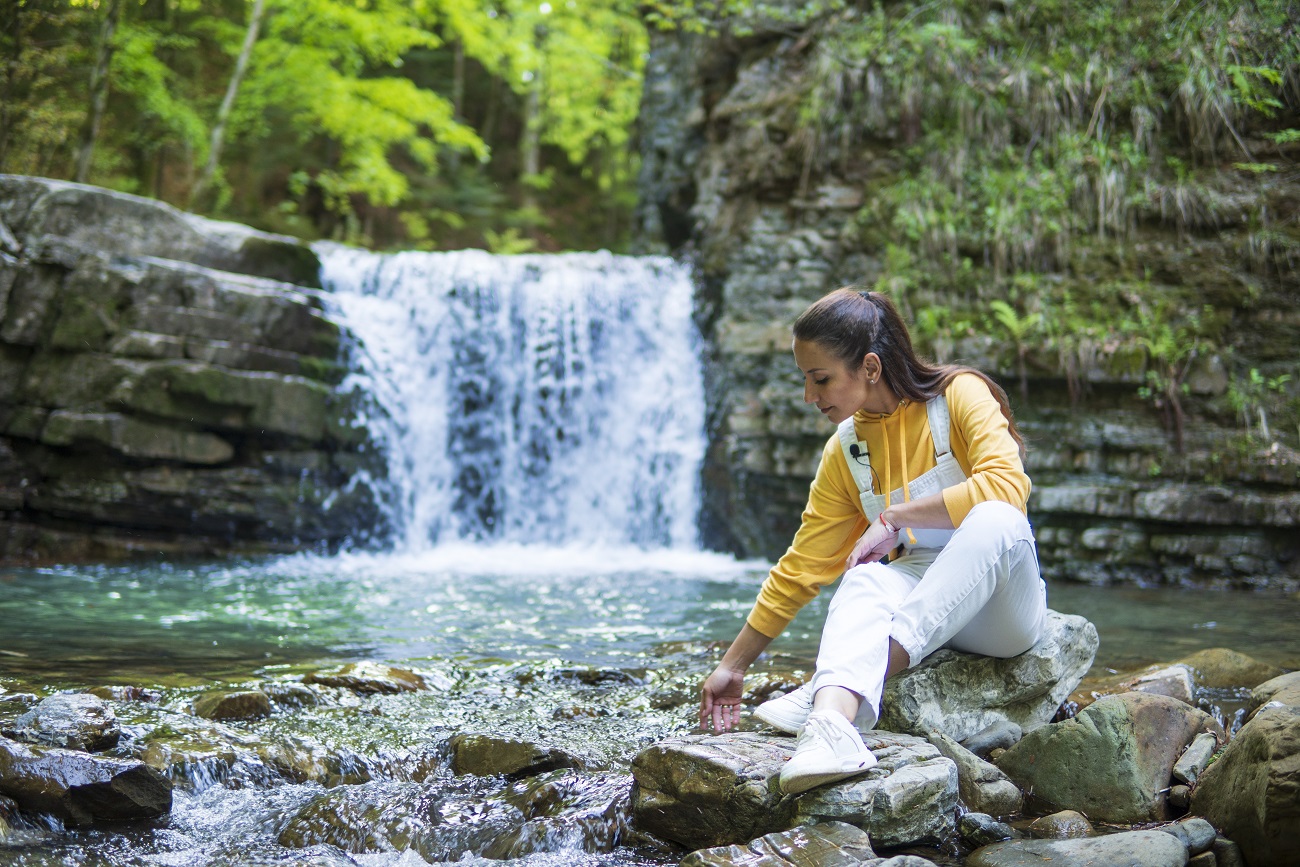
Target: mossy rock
{"points": [[238, 705]]}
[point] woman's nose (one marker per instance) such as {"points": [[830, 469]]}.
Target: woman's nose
{"points": [[808, 393]]}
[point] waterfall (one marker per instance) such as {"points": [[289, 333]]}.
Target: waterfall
{"points": [[539, 399]]}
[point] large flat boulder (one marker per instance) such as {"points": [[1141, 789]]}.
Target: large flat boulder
{"points": [[961, 695], [705, 791]]}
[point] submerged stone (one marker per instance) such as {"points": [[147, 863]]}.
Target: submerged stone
{"points": [[962, 694], [79, 788], [393, 816], [236, 705], [74, 721], [488, 755], [1223, 668], [369, 677], [1113, 761]]}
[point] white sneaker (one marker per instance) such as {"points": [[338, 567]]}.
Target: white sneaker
{"points": [[787, 712], [829, 749]]}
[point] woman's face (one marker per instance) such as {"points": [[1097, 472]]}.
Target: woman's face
{"points": [[828, 382]]}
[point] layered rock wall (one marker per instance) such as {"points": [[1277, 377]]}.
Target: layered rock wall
{"points": [[167, 385], [727, 181]]}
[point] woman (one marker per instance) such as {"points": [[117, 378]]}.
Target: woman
{"points": [[962, 571]]}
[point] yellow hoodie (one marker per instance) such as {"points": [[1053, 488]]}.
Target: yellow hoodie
{"points": [[833, 521]]}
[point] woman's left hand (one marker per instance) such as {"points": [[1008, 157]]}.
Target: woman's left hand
{"points": [[874, 545]]}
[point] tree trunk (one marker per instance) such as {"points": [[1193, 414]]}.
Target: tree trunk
{"points": [[227, 102], [530, 144], [98, 91], [11, 38]]}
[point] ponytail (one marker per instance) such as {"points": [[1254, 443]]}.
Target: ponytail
{"points": [[849, 324]]}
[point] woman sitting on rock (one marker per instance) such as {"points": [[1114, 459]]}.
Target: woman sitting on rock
{"points": [[920, 495]]}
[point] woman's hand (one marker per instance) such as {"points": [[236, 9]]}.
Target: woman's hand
{"points": [[720, 699], [874, 544]]}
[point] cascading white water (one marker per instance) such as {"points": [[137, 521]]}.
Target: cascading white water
{"points": [[540, 399]]}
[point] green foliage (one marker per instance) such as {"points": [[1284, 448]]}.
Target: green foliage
{"points": [[1256, 396], [381, 121]]}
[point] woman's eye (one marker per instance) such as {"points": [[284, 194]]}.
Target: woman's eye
{"points": [[822, 381]]}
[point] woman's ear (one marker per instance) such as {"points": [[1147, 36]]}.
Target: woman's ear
{"points": [[871, 366]]}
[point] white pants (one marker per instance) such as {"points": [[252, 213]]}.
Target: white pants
{"points": [[980, 593]]}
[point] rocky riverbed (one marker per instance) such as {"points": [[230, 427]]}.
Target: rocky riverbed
{"points": [[369, 763]]}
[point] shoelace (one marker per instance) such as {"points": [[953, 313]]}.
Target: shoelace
{"points": [[824, 729]]}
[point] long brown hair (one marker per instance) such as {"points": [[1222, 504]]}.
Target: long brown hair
{"points": [[849, 323]]}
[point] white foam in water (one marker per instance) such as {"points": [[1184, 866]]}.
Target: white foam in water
{"points": [[540, 401]]}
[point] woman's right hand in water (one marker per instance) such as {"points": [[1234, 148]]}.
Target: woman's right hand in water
{"points": [[720, 699], [874, 544]]}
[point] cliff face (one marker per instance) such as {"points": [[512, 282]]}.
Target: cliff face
{"points": [[774, 217], [167, 385]]}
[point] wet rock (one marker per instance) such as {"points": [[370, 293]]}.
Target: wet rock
{"points": [[1196, 834], [1281, 690], [80, 788], [981, 829], [1061, 825], [1193, 762], [566, 812], [1222, 668], [828, 844], [294, 695], [488, 755], [999, 736], [981, 786], [369, 677], [705, 791], [126, 693], [193, 761], [1251, 793], [1205, 859], [312, 856], [1111, 762], [303, 760], [1180, 798], [233, 705], [1126, 849], [962, 694], [910, 796], [900, 861], [74, 721], [388, 816]]}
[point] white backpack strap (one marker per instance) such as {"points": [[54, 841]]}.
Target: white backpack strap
{"points": [[859, 466], [937, 410]]}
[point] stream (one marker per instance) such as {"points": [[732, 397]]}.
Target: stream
{"points": [[542, 419]]}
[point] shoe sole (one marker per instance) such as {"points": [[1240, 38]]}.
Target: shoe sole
{"points": [[802, 783]]}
